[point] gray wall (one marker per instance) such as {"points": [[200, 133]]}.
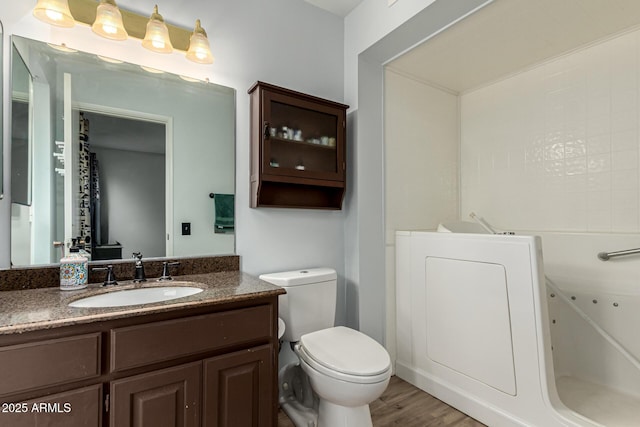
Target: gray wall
{"points": [[132, 200]]}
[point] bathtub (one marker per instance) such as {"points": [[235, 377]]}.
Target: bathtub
{"points": [[478, 327]]}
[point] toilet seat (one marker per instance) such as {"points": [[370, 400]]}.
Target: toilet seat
{"points": [[345, 354]]}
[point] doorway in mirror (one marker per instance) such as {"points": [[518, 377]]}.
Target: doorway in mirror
{"points": [[122, 186]]}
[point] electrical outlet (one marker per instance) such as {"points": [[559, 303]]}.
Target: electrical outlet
{"points": [[186, 228]]}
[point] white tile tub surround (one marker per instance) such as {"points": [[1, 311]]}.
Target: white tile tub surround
{"points": [[556, 147], [570, 260], [421, 155]]}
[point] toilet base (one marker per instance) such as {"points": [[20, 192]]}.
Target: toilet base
{"points": [[300, 415], [296, 396], [332, 415]]}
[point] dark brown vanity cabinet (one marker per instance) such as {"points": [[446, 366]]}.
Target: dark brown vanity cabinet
{"points": [[234, 388], [297, 149], [212, 366], [168, 397]]}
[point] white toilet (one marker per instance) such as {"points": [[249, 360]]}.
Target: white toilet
{"points": [[345, 368]]}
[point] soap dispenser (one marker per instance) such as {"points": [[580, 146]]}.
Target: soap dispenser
{"points": [[74, 268]]}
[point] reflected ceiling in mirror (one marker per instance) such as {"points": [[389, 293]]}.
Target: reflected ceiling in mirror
{"points": [[124, 159]]}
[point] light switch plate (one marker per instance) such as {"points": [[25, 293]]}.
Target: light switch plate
{"points": [[186, 228]]}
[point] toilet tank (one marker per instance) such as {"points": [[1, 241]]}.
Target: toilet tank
{"points": [[310, 302]]}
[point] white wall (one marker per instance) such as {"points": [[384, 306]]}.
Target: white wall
{"points": [[366, 25], [421, 165], [561, 142]]}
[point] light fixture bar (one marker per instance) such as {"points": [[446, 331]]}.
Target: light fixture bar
{"points": [[136, 25]]}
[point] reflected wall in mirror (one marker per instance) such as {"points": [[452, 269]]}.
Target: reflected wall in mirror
{"points": [[121, 158], [21, 84]]}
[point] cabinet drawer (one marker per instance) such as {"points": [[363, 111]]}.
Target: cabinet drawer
{"points": [[30, 366], [75, 408], [142, 345]]}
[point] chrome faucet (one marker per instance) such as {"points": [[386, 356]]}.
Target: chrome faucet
{"points": [[140, 276], [165, 270]]}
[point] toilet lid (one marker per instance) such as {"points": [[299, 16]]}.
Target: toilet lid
{"points": [[346, 350]]}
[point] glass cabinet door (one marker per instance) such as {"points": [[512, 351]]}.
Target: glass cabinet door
{"points": [[302, 139]]}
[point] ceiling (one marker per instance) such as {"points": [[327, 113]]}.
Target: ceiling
{"points": [[337, 7], [510, 35], [119, 133]]}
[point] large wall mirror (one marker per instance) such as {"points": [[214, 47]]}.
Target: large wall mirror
{"points": [[123, 158]]}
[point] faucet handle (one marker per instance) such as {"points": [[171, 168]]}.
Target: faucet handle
{"points": [[110, 278], [137, 256], [165, 270]]}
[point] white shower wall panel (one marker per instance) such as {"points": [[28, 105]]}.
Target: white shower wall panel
{"points": [[559, 142]]}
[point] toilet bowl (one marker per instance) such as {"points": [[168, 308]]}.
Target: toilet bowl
{"points": [[348, 370], [345, 368]]}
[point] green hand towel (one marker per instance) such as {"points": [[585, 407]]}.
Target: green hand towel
{"points": [[224, 210]]}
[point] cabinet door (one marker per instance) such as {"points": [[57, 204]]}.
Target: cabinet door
{"points": [[238, 389], [302, 138], [75, 408], [165, 398]]}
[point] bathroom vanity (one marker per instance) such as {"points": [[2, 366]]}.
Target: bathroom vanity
{"points": [[204, 360]]}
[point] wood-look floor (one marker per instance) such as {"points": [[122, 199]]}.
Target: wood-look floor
{"points": [[404, 405]]}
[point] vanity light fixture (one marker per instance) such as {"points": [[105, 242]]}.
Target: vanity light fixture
{"points": [[54, 12], [108, 21], [156, 37], [199, 50]]}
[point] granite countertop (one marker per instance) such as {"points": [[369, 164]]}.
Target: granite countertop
{"points": [[37, 309]]}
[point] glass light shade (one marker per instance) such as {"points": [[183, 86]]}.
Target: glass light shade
{"points": [[157, 36], [199, 50], [54, 12], [108, 21]]}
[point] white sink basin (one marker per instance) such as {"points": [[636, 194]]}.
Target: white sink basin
{"points": [[136, 296]]}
